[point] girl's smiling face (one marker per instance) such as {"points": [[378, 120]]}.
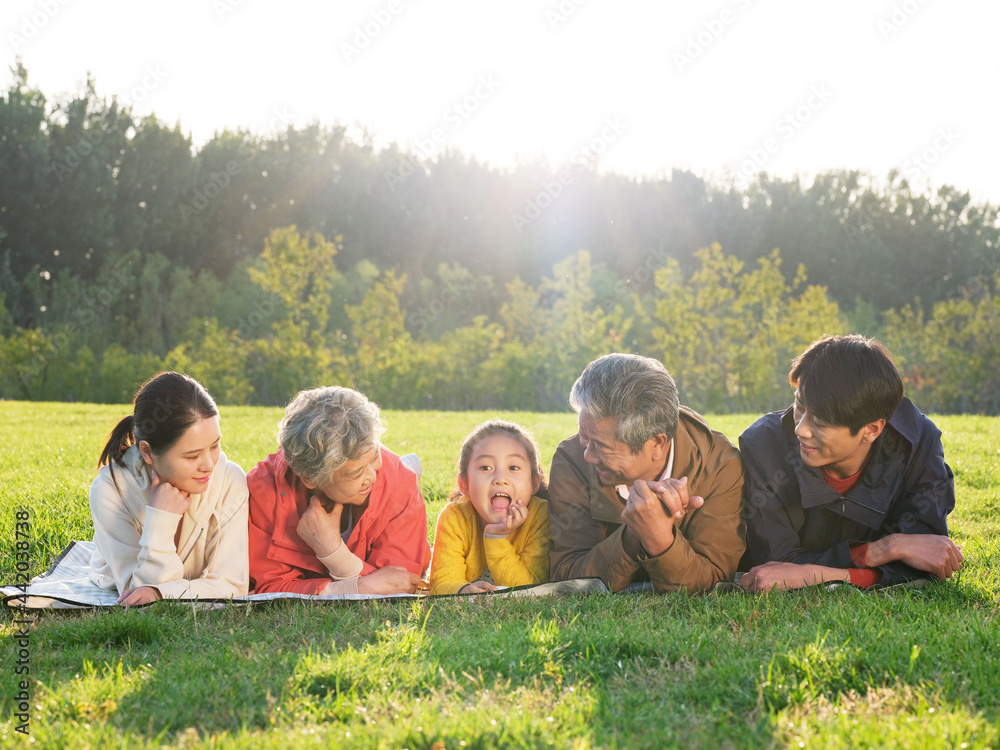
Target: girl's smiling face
{"points": [[189, 462], [498, 476]]}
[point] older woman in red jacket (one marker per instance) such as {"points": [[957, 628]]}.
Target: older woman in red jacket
{"points": [[334, 511]]}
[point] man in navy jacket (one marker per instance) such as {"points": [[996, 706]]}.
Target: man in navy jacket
{"points": [[849, 483]]}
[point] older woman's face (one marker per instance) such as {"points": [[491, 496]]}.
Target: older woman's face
{"points": [[352, 483]]}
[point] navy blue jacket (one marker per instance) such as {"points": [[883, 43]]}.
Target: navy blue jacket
{"points": [[792, 515]]}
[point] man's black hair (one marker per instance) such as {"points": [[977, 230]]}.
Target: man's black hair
{"points": [[847, 381]]}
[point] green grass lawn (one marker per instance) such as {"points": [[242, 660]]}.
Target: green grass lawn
{"points": [[841, 668]]}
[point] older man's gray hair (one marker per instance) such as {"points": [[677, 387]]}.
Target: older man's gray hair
{"points": [[324, 428], [636, 391]]}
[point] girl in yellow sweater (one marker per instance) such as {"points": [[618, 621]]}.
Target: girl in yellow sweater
{"points": [[494, 532]]}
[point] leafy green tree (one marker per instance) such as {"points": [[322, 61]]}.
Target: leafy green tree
{"points": [[24, 357], [447, 300], [380, 359], [24, 157], [950, 360], [728, 335], [217, 359], [578, 331], [521, 315], [121, 373], [299, 271], [453, 371]]}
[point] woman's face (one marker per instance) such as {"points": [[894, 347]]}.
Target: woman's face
{"points": [[352, 483], [190, 461]]}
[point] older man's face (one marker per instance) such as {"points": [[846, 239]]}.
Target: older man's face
{"points": [[614, 461]]}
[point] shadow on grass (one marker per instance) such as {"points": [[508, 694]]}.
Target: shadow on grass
{"points": [[162, 669], [628, 671]]}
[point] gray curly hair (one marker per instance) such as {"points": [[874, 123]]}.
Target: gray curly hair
{"points": [[638, 392], [324, 428]]}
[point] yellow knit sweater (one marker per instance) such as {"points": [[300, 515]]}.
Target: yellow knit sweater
{"points": [[461, 553]]}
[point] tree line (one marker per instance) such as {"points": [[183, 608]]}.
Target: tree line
{"points": [[443, 283]]}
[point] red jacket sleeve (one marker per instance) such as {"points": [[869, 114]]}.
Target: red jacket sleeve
{"points": [[267, 574]]}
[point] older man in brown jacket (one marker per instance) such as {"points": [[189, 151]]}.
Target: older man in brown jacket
{"points": [[646, 490]]}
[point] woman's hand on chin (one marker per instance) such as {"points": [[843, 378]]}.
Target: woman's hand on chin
{"points": [[167, 497]]}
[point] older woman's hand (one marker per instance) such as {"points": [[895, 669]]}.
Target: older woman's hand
{"points": [[319, 529], [392, 579]]}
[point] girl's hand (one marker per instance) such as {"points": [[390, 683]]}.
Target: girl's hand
{"points": [[141, 595], [517, 514], [477, 587], [165, 496]]}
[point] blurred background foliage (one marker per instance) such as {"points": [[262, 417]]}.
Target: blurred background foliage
{"points": [[266, 263]]}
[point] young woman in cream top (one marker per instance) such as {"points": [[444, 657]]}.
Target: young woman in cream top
{"points": [[170, 511]]}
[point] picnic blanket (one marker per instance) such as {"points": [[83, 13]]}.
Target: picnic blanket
{"points": [[67, 585]]}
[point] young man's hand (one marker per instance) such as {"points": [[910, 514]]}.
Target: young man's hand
{"points": [[785, 576], [934, 553]]}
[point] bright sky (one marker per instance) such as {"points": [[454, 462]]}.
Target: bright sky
{"points": [[721, 88]]}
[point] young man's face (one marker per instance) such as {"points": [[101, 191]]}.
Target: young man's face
{"points": [[614, 461], [832, 447]]}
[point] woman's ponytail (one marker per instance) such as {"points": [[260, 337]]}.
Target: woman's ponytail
{"points": [[121, 438]]}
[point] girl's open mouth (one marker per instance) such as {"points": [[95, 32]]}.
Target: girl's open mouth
{"points": [[500, 501]]}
